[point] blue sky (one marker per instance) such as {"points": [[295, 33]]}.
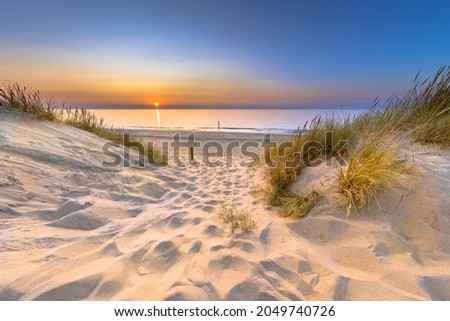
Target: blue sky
{"points": [[273, 53]]}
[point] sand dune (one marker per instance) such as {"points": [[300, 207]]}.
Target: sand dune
{"points": [[71, 229]]}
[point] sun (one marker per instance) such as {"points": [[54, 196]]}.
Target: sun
{"points": [[156, 104]]}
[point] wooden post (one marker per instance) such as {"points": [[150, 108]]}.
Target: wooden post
{"points": [[191, 153], [218, 125]]}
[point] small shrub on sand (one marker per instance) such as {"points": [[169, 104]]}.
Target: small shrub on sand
{"points": [[237, 218]]}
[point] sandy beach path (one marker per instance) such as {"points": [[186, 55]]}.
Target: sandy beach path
{"points": [[71, 229]]}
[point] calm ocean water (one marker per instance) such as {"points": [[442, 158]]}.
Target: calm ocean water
{"points": [[280, 120]]}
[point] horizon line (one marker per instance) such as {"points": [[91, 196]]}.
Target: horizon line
{"points": [[313, 106]]}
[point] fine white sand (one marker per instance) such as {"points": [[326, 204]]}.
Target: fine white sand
{"points": [[71, 229]]}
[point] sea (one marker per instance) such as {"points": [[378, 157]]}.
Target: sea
{"points": [[239, 120]]}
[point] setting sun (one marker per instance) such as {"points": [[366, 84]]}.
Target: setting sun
{"points": [[156, 104]]}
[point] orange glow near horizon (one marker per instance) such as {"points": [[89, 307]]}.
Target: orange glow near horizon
{"points": [[79, 82]]}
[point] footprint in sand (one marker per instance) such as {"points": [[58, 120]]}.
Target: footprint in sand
{"points": [[196, 220], [211, 230], [176, 185], [270, 268], [191, 188], [73, 291], [224, 263], [196, 247], [77, 193], [198, 270], [160, 259], [191, 292], [264, 235], [9, 294], [340, 289], [244, 246], [227, 183], [180, 200], [249, 291], [152, 190], [175, 220], [108, 289], [205, 208], [437, 287], [66, 208], [92, 217], [137, 256], [111, 250]]}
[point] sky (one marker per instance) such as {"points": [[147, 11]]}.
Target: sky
{"points": [[221, 53]]}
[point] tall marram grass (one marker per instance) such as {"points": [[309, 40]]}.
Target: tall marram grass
{"points": [[374, 164], [315, 141], [424, 111], [31, 102], [279, 178], [422, 115], [430, 109]]}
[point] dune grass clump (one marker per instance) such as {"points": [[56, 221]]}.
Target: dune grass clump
{"points": [[297, 205], [320, 138], [430, 115], [322, 133], [83, 119], [238, 218], [374, 164], [328, 132], [279, 178], [31, 102], [424, 111], [367, 145]]}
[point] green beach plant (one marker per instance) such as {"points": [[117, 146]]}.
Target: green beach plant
{"points": [[238, 218]]}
